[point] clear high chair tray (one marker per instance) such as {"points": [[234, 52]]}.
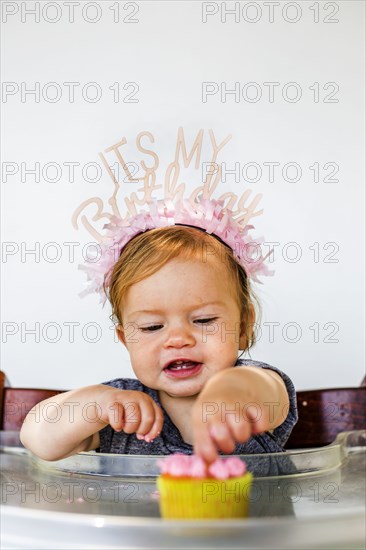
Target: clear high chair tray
{"points": [[301, 499]]}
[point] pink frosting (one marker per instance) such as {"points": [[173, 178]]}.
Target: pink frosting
{"points": [[180, 465]]}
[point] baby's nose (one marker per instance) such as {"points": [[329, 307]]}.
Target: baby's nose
{"points": [[179, 337]]}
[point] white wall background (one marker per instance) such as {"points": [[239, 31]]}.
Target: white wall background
{"points": [[169, 52]]}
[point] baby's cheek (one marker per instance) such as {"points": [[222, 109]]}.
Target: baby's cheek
{"points": [[226, 344], [139, 363], [228, 333]]}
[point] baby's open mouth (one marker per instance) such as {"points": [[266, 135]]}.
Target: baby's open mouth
{"points": [[182, 368], [181, 365]]}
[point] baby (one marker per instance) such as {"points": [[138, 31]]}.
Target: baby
{"points": [[183, 307]]}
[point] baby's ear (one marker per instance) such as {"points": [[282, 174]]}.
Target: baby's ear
{"points": [[121, 334], [247, 328]]}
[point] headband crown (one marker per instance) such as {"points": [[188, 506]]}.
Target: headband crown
{"points": [[199, 210]]}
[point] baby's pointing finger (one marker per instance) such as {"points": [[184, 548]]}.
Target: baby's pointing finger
{"points": [[221, 435], [203, 445]]}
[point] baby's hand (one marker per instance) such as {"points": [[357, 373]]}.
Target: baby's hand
{"points": [[224, 414], [131, 411]]}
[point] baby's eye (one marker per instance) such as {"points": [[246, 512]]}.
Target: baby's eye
{"points": [[152, 328], [207, 320]]}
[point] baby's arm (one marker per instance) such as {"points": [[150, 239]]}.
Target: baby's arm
{"points": [[70, 422], [235, 404]]}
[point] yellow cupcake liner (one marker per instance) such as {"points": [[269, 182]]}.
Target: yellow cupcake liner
{"points": [[189, 498]]}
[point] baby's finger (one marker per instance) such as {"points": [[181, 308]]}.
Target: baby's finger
{"points": [[203, 445], [157, 425], [116, 416], [132, 416], [240, 431], [222, 437], [145, 430], [257, 419]]}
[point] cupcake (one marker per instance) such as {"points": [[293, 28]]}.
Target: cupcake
{"points": [[190, 489]]}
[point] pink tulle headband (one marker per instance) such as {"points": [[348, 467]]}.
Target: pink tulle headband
{"points": [[209, 215]]}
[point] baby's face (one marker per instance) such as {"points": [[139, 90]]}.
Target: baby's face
{"points": [[184, 312]]}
